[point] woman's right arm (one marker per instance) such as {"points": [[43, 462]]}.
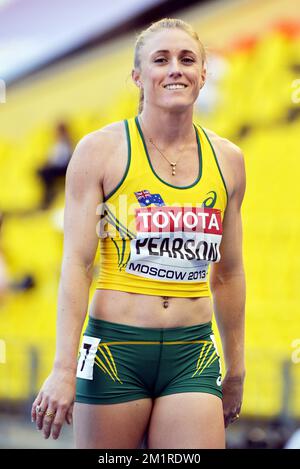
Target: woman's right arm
{"points": [[83, 191]]}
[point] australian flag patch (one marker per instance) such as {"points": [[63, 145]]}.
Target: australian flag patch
{"points": [[145, 198]]}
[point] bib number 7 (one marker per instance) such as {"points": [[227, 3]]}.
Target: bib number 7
{"points": [[86, 361]]}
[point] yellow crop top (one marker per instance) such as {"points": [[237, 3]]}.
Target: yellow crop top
{"points": [[157, 238]]}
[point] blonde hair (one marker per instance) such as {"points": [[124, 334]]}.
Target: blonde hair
{"points": [[165, 23]]}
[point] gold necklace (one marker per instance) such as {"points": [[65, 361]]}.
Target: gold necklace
{"points": [[171, 163]]}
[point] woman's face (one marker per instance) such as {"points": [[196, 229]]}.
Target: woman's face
{"points": [[171, 70]]}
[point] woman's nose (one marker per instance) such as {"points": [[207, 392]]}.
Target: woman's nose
{"points": [[174, 68]]}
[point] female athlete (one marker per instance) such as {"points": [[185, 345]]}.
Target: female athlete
{"points": [[163, 197]]}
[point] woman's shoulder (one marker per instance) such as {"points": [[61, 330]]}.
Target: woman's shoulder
{"points": [[109, 136], [96, 149], [223, 143], [102, 145]]}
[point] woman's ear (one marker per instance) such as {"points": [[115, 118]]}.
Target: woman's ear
{"points": [[203, 75], [135, 78]]}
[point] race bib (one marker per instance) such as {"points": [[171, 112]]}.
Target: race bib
{"points": [[85, 365], [175, 243]]}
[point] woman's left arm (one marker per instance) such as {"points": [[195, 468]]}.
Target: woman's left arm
{"points": [[227, 283]]}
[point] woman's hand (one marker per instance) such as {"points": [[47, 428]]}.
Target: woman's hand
{"points": [[232, 397], [54, 403]]}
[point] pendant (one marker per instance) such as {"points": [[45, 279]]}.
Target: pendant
{"points": [[173, 168]]}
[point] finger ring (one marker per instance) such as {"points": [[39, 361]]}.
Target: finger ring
{"points": [[50, 414], [39, 409]]}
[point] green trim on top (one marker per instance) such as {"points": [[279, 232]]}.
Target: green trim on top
{"points": [[156, 175], [120, 227], [216, 162], [118, 251], [128, 163]]}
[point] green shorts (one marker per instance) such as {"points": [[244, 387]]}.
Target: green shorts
{"points": [[119, 362]]}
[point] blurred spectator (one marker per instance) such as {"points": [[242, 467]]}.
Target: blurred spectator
{"points": [[56, 166], [7, 284], [256, 438], [279, 432], [25, 283]]}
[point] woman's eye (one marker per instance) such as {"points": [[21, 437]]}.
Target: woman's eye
{"points": [[184, 59]]}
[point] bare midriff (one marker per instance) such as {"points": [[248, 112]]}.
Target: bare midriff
{"points": [[140, 310]]}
